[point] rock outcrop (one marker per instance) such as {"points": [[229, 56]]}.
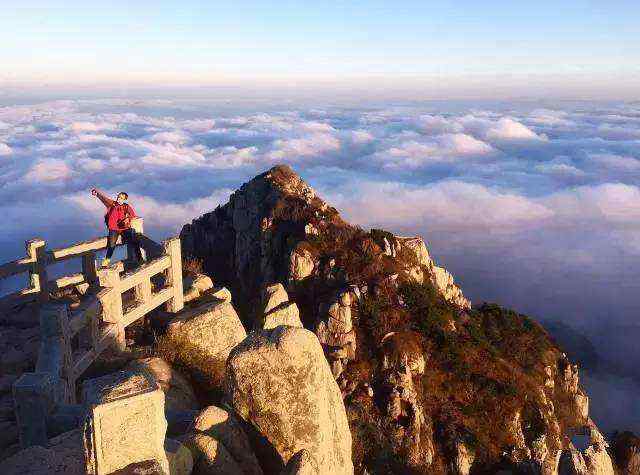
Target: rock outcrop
{"points": [[277, 309], [195, 286], [217, 438], [424, 268], [200, 339], [243, 241], [280, 382]]}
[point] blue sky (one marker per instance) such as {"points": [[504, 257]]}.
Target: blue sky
{"points": [[571, 47]]}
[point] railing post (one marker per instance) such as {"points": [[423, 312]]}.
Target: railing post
{"points": [[143, 291], [55, 355], [89, 269], [173, 275], [111, 302], [38, 274], [33, 401], [137, 225]]}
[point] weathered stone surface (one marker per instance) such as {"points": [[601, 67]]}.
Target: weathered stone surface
{"points": [[127, 425], [403, 348], [113, 386], [82, 288], [280, 382], [335, 331], [178, 393], [463, 460], [225, 428], [301, 265], [417, 246], [277, 310], [287, 314], [335, 319], [596, 456], [34, 399], [443, 281], [202, 283], [210, 456], [273, 296], [202, 337], [581, 403], [62, 456], [439, 276], [222, 293], [589, 457], [148, 467], [195, 286], [301, 464]]}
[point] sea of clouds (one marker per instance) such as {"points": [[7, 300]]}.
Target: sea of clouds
{"points": [[536, 206]]}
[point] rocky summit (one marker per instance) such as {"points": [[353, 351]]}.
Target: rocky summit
{"points": [[430, 383]]}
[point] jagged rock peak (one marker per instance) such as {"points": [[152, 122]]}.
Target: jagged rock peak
{"points": [[286, 180], [276, 183], [265, 234]]}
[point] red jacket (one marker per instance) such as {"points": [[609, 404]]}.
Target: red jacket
{"points": [[118, 217]]}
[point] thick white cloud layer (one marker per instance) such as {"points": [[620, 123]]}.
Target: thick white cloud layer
{"points": [[549, 189]]}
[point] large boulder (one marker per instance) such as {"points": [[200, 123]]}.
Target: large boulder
{"points": [[273, 296], [216, 423], [301, 265], [210, 456], [200, 340], [196, 285], [277, 310], [280, 382], [178, 393]]}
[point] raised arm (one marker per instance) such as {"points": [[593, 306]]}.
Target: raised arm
{"points": [[108, 202]]}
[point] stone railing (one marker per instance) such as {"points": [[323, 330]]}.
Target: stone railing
{"points": [[72, 340], [38, 258]]}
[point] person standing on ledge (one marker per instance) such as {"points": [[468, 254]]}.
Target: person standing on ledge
{"points": [[118, 220]]}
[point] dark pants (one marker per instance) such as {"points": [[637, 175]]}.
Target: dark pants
{"points": [[128, 237]]}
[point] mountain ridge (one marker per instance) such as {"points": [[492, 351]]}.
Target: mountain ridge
{"points": [[431, 385]]}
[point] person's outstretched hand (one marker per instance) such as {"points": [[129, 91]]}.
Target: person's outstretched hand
{"points": [[94, 192]]}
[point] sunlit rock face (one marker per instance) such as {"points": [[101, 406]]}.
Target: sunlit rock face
{"points": [[279, 381], [430, 384]]}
